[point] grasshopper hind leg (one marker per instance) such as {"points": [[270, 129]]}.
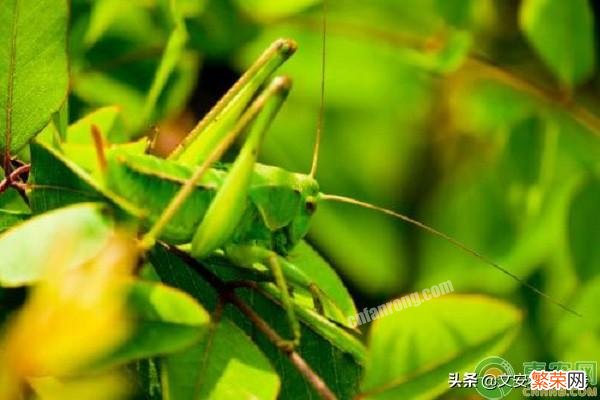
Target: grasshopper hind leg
{"points": [[286, 300], [316, 295], [245, 256]]}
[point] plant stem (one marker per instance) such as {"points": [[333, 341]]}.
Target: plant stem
{"points": [[579, 113], [226, 292], [12, 180]]}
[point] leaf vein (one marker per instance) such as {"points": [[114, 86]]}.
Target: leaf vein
{"points": [[10, 87]]}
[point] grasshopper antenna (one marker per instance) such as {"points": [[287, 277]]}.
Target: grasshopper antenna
{"points": [[442, 235], [315, 157]]}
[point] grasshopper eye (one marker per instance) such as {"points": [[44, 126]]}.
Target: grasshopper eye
{"points": [[311, 205]]}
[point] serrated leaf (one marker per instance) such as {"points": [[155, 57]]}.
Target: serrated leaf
{"points": [[26, 248], [226, 364], [583, 231], [33, 67], [411, 351], [562, 32]]}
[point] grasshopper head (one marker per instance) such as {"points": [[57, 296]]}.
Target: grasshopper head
{"points": [[309, 199]]}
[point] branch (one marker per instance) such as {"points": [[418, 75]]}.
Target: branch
{"points": [[483, 66], [15, 180], [553, 98], [226, 292]]}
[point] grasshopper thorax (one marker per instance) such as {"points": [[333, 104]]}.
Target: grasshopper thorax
{"points": [[285, 202]]}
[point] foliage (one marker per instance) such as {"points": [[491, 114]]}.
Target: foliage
{"points": [[474, 116]]}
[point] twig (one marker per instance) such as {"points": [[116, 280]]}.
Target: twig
{"points": [[579, 113], [13, 179], [227, 293], [474, 61], [315, 380]]}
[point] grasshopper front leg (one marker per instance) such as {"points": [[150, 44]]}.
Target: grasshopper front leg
{"points": [[227, 208], [211, 130], [217, 131]]}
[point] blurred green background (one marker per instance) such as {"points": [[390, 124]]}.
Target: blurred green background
{"points": [[476, 117]]}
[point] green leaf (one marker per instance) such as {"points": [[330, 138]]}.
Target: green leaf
{"points": [[525, 151], [107, 119], [33, 67], [338, 365], [488, 228], [103, 13], [324, 327], [455, 51], [491, 105], [455, 12], [319, 271], [170, 58], [576, 338], [268, 9], [167, 320], [109, 386], [98, 88], [72, 235], [57, 182], [351, 247], [11, 200], [10, 218], [562, 32], [176, 95], [583, 231], [412, 351], [447, 56], [148, 86], [80, 146], [60, 120], [226, 364], [187, 8]]}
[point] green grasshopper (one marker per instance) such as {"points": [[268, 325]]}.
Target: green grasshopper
{"points": [[251, 213], [248, 212]]}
